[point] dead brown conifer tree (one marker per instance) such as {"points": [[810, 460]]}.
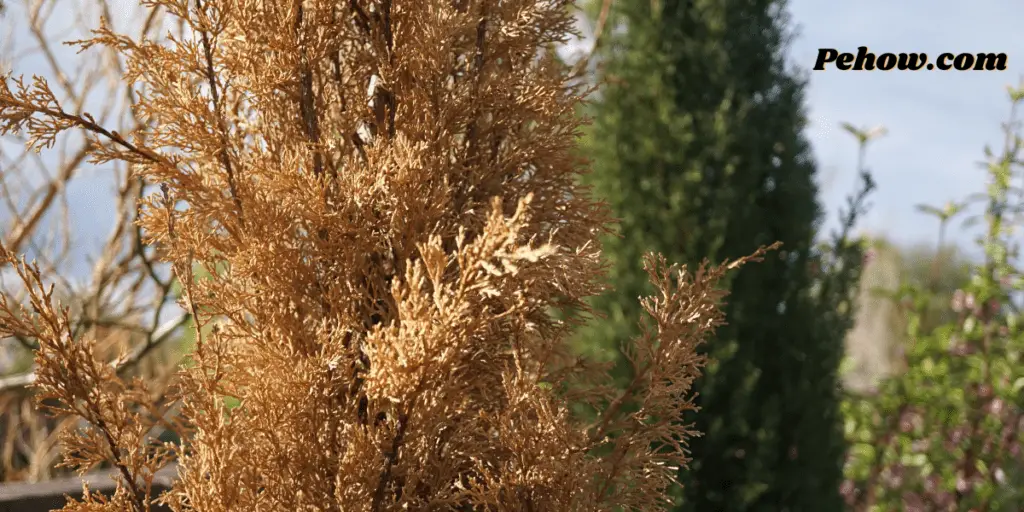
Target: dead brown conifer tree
{"points": [[384, 193]]}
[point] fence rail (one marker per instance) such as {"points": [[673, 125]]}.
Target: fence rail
{"points": [[49, 495]]}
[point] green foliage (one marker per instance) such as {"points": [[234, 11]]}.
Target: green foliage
{"points": [[943, 433], [697, 146]]}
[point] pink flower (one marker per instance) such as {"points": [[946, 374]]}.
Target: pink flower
{"points": [[869, 256]]}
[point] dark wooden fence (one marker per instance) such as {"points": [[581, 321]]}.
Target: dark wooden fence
{"points": [[49, 495]]}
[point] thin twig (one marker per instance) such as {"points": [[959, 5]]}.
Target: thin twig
{"points": [[133, 357], [602, 20]]}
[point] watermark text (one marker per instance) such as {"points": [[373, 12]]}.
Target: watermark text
{"points": [[865, 60]]}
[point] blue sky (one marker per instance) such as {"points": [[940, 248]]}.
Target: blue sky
{"points": [[938, 122]]}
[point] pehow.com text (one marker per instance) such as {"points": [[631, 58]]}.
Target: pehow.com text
{"points": [[865, 60]]}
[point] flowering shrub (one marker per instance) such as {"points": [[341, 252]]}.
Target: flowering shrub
{"points": [[944, 432]]}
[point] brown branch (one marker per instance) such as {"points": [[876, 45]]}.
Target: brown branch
{"points": [[602, 20], [21, 230], [44, 45], [389, 38], [218, 112], [362, 19], [133, 486], [390, 459], [86, 121], [307, 97], [133, 357], [478, 64]]}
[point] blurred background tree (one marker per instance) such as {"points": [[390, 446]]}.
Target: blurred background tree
{"points": [[697, 145]]}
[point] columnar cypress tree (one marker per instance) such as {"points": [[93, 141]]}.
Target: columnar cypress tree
{"points": [[697, 147]]}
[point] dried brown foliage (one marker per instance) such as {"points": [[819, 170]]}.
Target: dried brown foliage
{"points": [[388, 192]]}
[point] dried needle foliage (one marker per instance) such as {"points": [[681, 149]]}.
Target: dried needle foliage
{"points": [[384, 195], [119, 299]]}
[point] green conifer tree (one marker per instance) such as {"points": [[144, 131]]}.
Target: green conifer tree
{"points": [[697, 145]]}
